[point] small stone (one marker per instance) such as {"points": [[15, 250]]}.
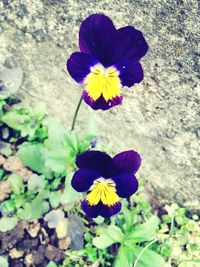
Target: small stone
{"points": [[13, 164], [29, 260], [2, 160], [33, 229], [5, 189], [51, 252], [64, 243], [39, 255], [29, 244], [15, 254]]}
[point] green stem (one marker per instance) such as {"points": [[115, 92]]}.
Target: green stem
{"points": [[76, 114]]}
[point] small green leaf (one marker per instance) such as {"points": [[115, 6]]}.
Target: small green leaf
{"points": [[103, 241], [148, 258], [1, 173], [33, 156], [36, 182], [115, 233], [124, 257], [7, 223], [143, 232], [55, 198], [69, 195], [51, 264], [4, 262], [25, 213], [5, 149], [17, 184]]}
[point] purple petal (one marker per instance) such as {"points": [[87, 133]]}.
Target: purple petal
{"points": [[83, 179], [97, 161], [100, 209], [130, 44], [131, 72], [101, 103], [78, 65], [97, 37], [126, 184], [127, 161]]}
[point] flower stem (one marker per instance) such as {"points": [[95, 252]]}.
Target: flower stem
{"points": [[76, 114]]}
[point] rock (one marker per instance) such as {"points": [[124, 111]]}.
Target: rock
{"points": [[10, 238], [39, 255], [75, 232], [14, 165], [53, 253], [29, 260], [5, 189], [2, 160], [29, 244], [64, 243], [15, 254], [159, 118], [33, 229], [10, 81]]}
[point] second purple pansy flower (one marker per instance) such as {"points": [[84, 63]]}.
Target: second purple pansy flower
{"points": [[106, 180], [109, 60]]}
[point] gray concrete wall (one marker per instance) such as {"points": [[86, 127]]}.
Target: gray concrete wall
{"points": [[159, 118]]}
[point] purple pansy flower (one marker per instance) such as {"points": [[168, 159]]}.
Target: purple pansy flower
{"points": [[106, 180], [109, 60]]}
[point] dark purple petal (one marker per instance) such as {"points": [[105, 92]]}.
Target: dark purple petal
{"points": [[78, 65], [91, 211], [131, 72], [83, 179], [126, 184], [127, 161], [97, 37], [101, 103], [97, 161], [100, 209], [130, 44]]}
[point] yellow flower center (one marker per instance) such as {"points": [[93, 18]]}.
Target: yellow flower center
{"points": [[103, 81], [102, 190]]}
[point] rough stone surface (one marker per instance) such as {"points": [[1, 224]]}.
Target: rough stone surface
{"points": [[160, 118]]}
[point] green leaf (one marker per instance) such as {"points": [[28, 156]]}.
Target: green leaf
{"points": [[103, 241], [7, 206], [39, 206], [58, 158], [36, 182], [148, 258], [69, 195], [143, 232], [25, 213], [124, 257], [51, 264], [56, 133], [17, 184], [7, 223], [5, 149], [55, 198], [4, 262], [33, 156], [1, 173], [127, 219], [115, 233]]}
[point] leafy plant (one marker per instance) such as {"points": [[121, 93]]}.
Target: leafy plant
{"points": [[131, 240]]}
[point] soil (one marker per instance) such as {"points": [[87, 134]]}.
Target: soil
{"points": [[23, 250]]}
